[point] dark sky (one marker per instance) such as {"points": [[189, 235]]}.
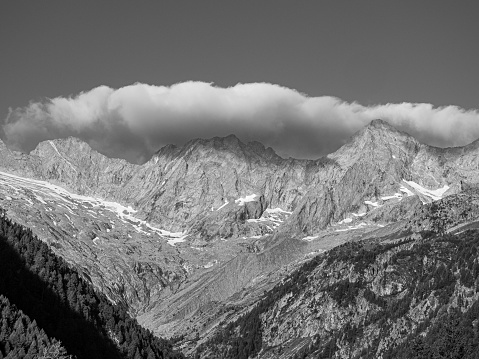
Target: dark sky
{"points": [[370, 52], [365, 51]]}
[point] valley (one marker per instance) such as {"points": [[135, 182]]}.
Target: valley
{"points": [[201, 236]]}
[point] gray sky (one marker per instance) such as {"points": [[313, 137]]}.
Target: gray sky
{"points": [[368, 52]]}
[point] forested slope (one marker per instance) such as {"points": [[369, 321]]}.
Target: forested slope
{"points": [[417, 297], [22, 338], [63, 305]]}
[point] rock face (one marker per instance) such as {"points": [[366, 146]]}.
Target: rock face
{"points": [[180, 186], [199, 232], [230, 220]]}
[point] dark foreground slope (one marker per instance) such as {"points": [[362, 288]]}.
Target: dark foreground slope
{"points": [[22, 338], [64, 305], [413, 295]]}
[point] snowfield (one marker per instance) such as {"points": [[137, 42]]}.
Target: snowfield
{"points": [[435, 195], [42, 190]]}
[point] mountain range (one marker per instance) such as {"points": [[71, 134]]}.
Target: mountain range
{"points": [[218, 239]]}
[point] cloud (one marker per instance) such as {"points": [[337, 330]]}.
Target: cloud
{"points": [[135, 121]]}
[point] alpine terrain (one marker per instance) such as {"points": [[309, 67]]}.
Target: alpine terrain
{"points": [[227, 250]]}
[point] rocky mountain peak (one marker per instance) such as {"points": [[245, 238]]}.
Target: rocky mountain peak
{"points": [[229, 143], [70, 146], [381, 130], [378, 139], [216, 148], [379, 123], [230, 139], [213, 146], [167, 152], [68, 141], [260, 149], [201, 145]]}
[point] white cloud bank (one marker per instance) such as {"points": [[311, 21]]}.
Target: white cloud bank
{"points": [[134, 121]]}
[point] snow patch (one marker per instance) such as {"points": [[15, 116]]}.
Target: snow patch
{"points": [[310, 238], [224, 204], [359, 214], [40, 199], [210, 264], [374, 204], [362, 224], [346, 220], [435, 195], [407, 191], [241, 201], [271, 217], [277, 210], [395, 195], [29, 201], [177, 237], [256, 220]]}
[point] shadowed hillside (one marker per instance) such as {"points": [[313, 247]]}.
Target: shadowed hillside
{"points": [[65, 306]]}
